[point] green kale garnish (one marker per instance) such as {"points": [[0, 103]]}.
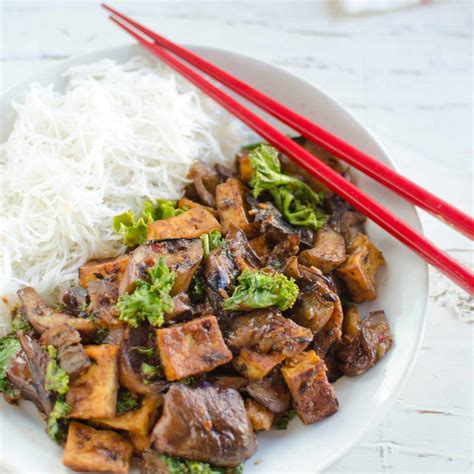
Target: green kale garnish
{"points": [[258, 289], [134, 230], [211, 241], [177, 465], [150, 300], [146, 351], [150, 372], [187, 380], [284, 420], [9, 347], [56, 378], [125, 401], [297, 202], [57, 426], [20, 323]]}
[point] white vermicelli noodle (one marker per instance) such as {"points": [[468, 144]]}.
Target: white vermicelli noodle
{"points": [[120, 133]]}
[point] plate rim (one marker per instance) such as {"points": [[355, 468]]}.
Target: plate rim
{"points": [[386, 404]]}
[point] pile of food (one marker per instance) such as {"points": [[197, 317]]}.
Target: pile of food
{"points": [[232, 311]]}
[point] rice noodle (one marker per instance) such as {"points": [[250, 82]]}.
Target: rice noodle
{"points": [[119, 134]]}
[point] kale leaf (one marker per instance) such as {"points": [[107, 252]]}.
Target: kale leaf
{"points": [[56, 426], [211, 241], [297, 202], [56, 378], [284, 420], [259, 289], [125, 401], [150, 300], [177, 465], [9, 347], [134, 230]]}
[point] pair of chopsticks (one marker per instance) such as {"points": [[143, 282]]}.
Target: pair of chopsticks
{"points": [[414, 240]]}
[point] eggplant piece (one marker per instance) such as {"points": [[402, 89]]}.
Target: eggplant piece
{"points": [[358, 271], [262, 248], [188, 225], [283, 251], [260, 417], [88, 449], [271, 392], [237, 382], [108, 268], [328, 252], [205, 181], [205, 424], [181, 256], [42, 318], [75, 301], [262, 339], [345, 220], [192, 348], [153, 463], [19, 376], [131, 360], [363, 344], [181, 308], [231, 207], [242, 252], [313, 396], [71, 355], [94, 393], [103, 296], [219, 275], [37, 360]]}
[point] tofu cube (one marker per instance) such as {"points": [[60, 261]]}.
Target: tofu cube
{"points": [[260, 417], [191, 348], [110, 268], [358, 271], [254, 365], [94, 393], [88, 449], [313, 396]]}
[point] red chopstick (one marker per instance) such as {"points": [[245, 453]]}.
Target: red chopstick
{"points": [[353, 195], [343, 150]]}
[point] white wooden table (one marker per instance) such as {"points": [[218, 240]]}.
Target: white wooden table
{"points": [[408, 76]]}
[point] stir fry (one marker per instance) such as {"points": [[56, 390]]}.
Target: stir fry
{"points": [[232, 311]]}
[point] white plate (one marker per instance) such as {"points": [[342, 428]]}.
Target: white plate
{"points": [[403, 289]]}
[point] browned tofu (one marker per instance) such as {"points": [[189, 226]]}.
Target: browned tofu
{"points": [[191, 348], [41, 317], [245, 168], [231, 207], [358, 271], [185, 203], [328, 252], [139, 421], [254, 365], [182, 256], [140, 442], [94, 393], [108, 268], [260, 417], [188, 225], [88, 449], [313, 396]]}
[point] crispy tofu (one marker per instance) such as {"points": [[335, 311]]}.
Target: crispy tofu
{"points": [[182, 256], [313, 396], [255, 365], [191, 348], [231, 207], [186, 203], [94, 393], [188, 225], [139, 421], [140, 442], [358, 271], [260, 417], [88, 449], [108, 268], [328, 252], [41, 317], [246, 169]]}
